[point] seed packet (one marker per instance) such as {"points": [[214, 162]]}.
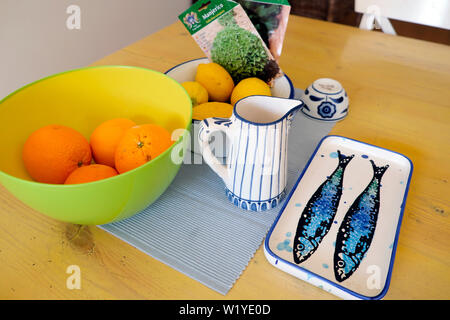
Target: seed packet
{"points": [[270, 17], [226, 35]]}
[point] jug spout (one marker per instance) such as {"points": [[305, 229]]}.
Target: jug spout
{"points": [[266, 109]]}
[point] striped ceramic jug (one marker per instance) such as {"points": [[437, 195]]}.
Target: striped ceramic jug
{"points": [[255, 169]]}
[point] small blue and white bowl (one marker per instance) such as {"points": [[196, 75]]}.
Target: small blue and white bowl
{"points": [[326, 100]]}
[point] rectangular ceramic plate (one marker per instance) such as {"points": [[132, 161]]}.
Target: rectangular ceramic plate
{"points": [[346, 216]]}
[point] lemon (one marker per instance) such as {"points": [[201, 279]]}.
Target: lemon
{"points": [[212, 109], [249, 87], [216, 80], [196, 91]]}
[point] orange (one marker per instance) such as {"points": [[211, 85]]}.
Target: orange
{"points": [[105, 138], [141, 144], [90, 173], [52, 152], [216, 80]]}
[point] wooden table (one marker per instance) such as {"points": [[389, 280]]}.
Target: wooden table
{"points": [[399, 99]]}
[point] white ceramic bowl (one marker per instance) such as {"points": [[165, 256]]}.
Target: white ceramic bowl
{"points": [[186, 71], [326, 100]]}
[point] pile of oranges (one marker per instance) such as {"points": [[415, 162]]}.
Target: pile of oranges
{"points": [[58, 154], [214, 93]]}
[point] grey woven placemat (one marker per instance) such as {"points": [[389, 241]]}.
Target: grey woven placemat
{"points": [[193, 227]]}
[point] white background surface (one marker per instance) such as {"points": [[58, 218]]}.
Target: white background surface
{"points": [[35, 41], [435, 13]]}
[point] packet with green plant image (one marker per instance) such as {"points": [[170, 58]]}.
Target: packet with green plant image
{"points": [[226, 35], [270, 17]]}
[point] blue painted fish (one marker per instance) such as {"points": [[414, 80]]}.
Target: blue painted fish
{"points": [[357, 228], [318, 215]]}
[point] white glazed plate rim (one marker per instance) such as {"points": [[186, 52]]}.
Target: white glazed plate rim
{"points": [[285, 77]]}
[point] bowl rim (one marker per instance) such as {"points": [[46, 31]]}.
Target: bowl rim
{"points": [[195, 121], [291, 86], [50, 185]]}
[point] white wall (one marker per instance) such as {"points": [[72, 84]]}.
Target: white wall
{"points": [[35, 41], [434, 13]]}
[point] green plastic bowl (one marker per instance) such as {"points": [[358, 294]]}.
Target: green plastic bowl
{"points": [[82, 99]]}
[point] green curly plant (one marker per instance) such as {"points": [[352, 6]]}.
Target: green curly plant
{"points": [[227, 19], [240, 52]]}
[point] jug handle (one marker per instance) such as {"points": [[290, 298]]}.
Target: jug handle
{"points": [[208, 127]]}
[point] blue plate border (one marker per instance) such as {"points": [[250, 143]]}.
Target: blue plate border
{"points": [[394, 247]]}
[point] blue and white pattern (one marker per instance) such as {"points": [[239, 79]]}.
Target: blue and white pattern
{"points": [[326, 109], [254, 205], [358, 227], [325, 100], [255, 173], [318, 215]]}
